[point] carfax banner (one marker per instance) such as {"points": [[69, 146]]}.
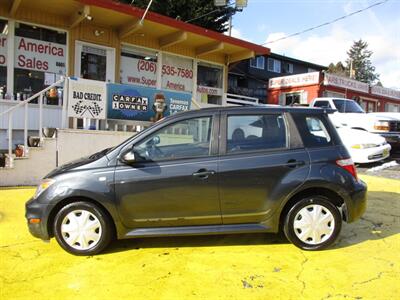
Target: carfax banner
{"points": [[129, 102]]}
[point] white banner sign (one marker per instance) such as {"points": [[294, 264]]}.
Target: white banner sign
{"points": [[40, 55], [87, 99], [138, 71], [3, 50], [209, 90], [294, 80], [347, 83], [177, 73], [385, 92]]}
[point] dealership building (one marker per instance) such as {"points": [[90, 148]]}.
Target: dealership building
{"points": [[109, 42], [303, 88], [98, 71]]}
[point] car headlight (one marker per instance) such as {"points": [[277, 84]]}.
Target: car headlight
{"points": [[382, 126], [364, 146], [43, 185]]}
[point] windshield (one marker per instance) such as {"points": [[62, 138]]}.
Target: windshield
{"points": [[347, 106]]}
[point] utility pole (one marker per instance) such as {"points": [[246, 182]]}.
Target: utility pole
{"points": [[239, 5], [352, 72], [230, 26]]}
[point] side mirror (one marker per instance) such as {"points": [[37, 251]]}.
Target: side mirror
{"points": [[128, 157]]}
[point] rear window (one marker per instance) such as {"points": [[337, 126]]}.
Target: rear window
{"points": [[255, 132], [347, 106], [315, 130], [322, 104]]}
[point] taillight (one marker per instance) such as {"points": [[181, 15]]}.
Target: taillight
{"points": [[348, 165]]}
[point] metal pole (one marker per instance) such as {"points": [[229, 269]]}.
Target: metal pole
{"points": [[40, 117], [351, 69], [230, 26], [10, 138], [145, 12], [26, 131], [64, 117]]}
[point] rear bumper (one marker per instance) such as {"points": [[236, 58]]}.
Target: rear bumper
{"points": [[357, 203], [34, 210]]}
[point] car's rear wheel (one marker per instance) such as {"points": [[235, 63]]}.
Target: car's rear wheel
{"points": [[313, 223], [81, 228]]}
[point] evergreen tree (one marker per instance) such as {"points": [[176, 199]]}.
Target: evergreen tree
{"points": [[338, 69], [359, 58], [211, 17]]}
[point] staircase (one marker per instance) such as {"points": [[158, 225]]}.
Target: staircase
{"points": [[68, 145], [28, 170]]}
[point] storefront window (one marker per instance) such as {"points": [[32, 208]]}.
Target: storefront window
{"points": [[177, 73], [209, 83], [40, 60], [138, 67], [390, 107], [333, 94], [3, 58]]}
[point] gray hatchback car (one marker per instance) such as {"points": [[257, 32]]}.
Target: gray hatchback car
{"points": [[210, 171]]}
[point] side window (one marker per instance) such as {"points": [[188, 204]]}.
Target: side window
{"points": [[255, 132], [184, 139], [314, 130], [322, 104]]}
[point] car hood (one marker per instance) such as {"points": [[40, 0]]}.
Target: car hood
{"points": [[357, 120], [386, 116], [93, 161], [354, 136]]}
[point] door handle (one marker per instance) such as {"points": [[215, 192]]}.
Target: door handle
{"points": [[292, 163], [203, 173]]}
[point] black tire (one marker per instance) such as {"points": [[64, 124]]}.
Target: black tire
{"points": [[103, 228], [309, 204]]}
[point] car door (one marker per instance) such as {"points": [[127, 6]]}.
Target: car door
{"points": [[174, 180], [259, 165]]}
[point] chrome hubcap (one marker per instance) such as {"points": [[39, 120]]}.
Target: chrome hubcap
{"points": [[314, 224], [81, 229]]}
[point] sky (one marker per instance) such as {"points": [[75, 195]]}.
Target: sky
{"points": [[267, 20]]}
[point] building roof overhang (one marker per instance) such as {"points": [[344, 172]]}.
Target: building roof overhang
{"points": [[125, 20]]}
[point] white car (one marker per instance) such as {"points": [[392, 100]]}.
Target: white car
{"points": [[363, 146]]}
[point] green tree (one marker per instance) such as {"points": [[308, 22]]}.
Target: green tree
{"points": [[199, 12], [359, 59], [338, 69]]}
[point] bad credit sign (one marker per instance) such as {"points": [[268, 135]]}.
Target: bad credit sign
{"points": [[87, 99], [40, 55]]}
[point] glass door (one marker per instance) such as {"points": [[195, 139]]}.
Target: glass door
{"points": [[94, 62]]}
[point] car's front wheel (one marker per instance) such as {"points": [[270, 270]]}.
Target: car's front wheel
{"points": [[313, 223], [81, 228]]}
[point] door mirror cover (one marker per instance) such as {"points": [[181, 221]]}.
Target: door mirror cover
{"points": [[129, 157]]}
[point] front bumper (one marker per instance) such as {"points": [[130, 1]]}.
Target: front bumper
{"points": [[362, 156], [357, 203], [393, 138], [35, 210]]}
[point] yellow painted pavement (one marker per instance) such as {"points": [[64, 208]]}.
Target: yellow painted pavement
{"points": [[364, 264]]}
